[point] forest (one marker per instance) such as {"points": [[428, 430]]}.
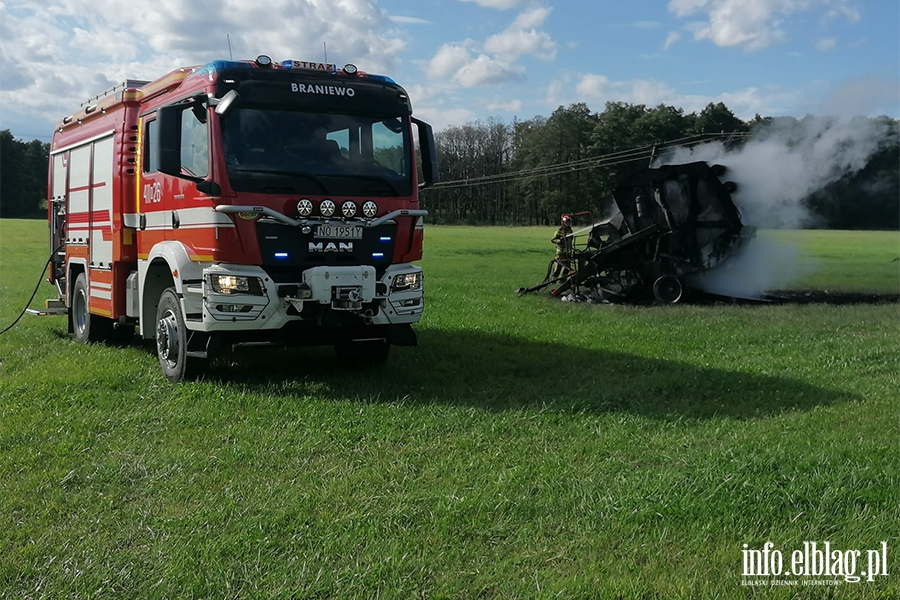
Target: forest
{"points": [[529, 172], [23, 177]]}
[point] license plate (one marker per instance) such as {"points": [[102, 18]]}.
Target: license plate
{"points": [[339, 232]]}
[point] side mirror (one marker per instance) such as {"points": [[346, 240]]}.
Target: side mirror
{"points": [[168, 142], [429, 154], [191, 162], [224, 103]]}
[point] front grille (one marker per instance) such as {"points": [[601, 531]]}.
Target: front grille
{"points": [[286, 250]]}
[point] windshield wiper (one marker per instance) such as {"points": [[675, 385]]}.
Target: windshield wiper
{"points": [[295, 174]]}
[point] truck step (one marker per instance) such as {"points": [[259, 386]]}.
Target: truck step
{"points": [[48, 312]]}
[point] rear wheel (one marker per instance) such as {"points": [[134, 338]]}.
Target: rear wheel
{"points": [[668, 289], [172, 340], [362, 353], [87, 327]]}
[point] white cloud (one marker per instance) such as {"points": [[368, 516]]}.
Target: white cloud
{"points": [[439, 106], [848, 11], [596, 90], [522, 37], [646, 25], [593, 86], [448, 60], [488, 71], [494, 63], [512, 106], [648, 92], [119, 46], [673, 37], [599, 88], [64, 51], [409, 20], [511, 44], [499, 4], [455, 62], [826, 44], [753, 25], [442, 118], [530, 19]]}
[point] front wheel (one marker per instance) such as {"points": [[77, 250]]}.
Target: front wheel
{"points": [[172, 340]]}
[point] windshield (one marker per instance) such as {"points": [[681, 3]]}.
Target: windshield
{"points": [[282, 151]]}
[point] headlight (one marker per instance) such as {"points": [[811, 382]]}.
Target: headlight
{"points": [[407, 282], [370, 209], [326, 208], [235, 284], [348, 208]]}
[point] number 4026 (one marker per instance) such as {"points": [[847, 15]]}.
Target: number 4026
{"points": [[152, 192]]}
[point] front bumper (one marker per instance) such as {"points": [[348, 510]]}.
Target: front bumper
{"points": [[329, 296]]}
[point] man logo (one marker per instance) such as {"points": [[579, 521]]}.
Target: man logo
{"points": [[331, 247]]}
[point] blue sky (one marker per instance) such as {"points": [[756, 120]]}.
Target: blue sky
{"points": [[463, 60]]}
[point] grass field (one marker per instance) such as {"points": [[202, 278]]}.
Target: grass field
{"points": [[528, 448]]}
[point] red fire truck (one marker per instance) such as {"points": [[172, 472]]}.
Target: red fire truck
{"points": [[242, 202]]}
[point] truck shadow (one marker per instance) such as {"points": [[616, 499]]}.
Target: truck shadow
{"points": [[502, 372]]}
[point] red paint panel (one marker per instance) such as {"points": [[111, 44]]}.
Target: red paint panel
{"points": [[101, 216], [78, 217], [87, 187], [101, 276]]}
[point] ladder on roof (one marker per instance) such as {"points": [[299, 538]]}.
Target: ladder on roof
{"points": [[128, 83]]}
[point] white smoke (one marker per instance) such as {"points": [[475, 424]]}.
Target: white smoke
{"points": [[786, 160], [764, 265], [783, 163]]}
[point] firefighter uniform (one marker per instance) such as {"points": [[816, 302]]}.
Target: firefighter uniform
{"points": [[563, 259]]}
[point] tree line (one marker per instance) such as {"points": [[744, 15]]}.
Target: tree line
{"points": [[530, 172], [23, 176]]}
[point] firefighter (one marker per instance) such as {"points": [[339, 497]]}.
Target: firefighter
{"points": [[561, 264]]}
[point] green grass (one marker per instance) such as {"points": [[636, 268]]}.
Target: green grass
{"points": [[527, 448], [845, 261]]}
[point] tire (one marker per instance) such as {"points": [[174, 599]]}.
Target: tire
{"points": [[87, 328], [172, 340], [362, 353], [668, 289]]}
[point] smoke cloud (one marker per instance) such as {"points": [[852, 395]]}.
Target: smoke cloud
{"points": [[785, 161], [764, 265]]}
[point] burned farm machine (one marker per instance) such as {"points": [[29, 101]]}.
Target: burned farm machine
{"points": [[669, 225]]}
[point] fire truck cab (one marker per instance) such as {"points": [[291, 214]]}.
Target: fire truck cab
{"points": [[242, 202]]}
